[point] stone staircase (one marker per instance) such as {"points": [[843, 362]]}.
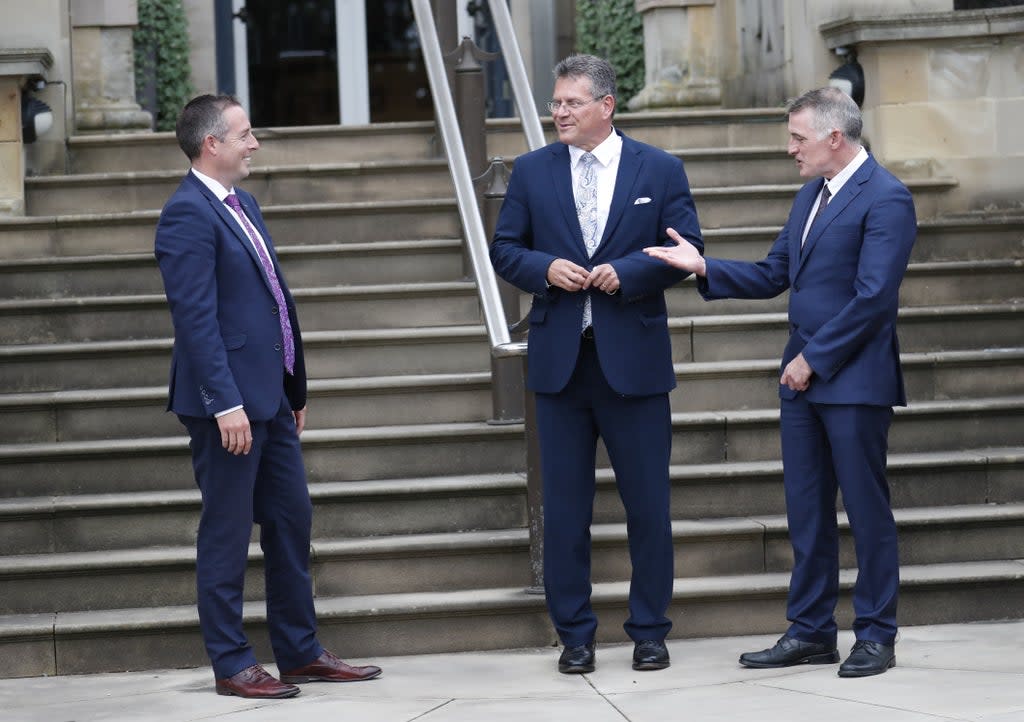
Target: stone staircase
{"points": [[420, 539]]}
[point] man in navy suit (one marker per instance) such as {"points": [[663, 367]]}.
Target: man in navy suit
{"points": [[842, 255], [238, 385], [576, 217]]}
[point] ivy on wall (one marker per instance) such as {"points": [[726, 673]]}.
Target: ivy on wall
{"points": [[163, 72], [613, 29]]}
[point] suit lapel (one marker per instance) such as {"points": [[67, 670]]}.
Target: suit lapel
{"points": [[561, 179], [221, 209], [849, 191]]}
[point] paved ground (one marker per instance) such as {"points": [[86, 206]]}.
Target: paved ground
{"points": [[956, 672]]}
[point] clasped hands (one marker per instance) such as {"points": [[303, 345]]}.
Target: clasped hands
{"points": [[571, 277]]}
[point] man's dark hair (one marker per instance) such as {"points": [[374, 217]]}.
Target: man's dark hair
{"points": [[832, 109], [202, 116], [598, 70]]}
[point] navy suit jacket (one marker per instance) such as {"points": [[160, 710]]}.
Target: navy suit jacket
{"points": [[538, 224], [844, 286], [227, 336]]}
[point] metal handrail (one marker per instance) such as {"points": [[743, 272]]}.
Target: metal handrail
{"points": [[517, 74], [469, 210]]}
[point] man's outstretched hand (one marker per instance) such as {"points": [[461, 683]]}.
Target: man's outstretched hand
{"points": [[683, 255]]}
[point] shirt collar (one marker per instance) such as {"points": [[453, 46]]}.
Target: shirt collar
{"points": [[605, 152], [840, 178], [215, 187]]}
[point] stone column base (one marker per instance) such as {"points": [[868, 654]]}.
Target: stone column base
{"points": [[679, 54], [112, 119], [672, 91]]}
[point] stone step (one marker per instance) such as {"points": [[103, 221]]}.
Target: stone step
{"points": [[399, 564], [712, 128], [360, 181], [315, 223], [272, 185], [108, 318], [925, 426], [364, 453], [324, 223], [928, 376], [463, 349], [81, 415], [329, 354], [992, 237], [395, 305], [382, 262], [935, 283], [499, 618], [334, 403], [926, 329], [437, 259], [969, 237], [485, 502], [141, 152]]}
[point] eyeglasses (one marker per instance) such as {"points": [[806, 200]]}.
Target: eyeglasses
{"points": [[571, 105]]}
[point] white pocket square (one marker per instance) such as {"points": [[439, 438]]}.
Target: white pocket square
{"points": [[641, 201]]}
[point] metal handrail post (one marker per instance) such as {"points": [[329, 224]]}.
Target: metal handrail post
{"points": [[469, 212], [517, 74], [506, 373], [445, 14], [502, 346], [534, 492], [471, 112]]}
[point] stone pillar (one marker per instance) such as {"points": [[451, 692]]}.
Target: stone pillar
{"points": [[680, 54], [103, 58], [16, 66], [944, 96]]}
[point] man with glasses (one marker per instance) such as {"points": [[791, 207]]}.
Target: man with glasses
{"points": [[571, 232]]}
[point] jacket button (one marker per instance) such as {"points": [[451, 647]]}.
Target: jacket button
{"points": [[274, 310], [277, 347]]}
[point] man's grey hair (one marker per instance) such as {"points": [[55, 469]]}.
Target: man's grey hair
{"points": [[831, 109], [598, 70]]}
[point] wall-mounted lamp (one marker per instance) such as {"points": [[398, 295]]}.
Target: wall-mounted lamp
{"points": [[36, 116], [849, 77]]}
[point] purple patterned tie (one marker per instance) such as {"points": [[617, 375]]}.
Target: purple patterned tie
{"points": [[275, 285]]}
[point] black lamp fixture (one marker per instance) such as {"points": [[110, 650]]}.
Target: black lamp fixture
{"points": [[849, 77], [36, 116]]}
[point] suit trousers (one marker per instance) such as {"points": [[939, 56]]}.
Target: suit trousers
{"points": [[826, 447], [266, 486], [637, 433]]}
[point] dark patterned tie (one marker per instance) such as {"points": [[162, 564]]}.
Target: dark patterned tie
{"points": [[825, 195], [275, 285]]}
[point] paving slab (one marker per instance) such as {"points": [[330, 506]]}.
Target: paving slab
{"points": [[945, 673]]}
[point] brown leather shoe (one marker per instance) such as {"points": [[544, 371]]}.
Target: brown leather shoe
{"points": [[328, 668], [256, 683]]}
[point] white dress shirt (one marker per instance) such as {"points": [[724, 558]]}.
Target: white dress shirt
{"points": [[605, 170], [834, 185]]}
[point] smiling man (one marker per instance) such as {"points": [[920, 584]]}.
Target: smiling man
{"points": [[842, 255], [238, 386], [571, 232]]}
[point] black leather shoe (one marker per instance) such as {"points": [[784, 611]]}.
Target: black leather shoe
{"points": [[789, 651], [649, 655], [868, 658], [577, 660]]}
